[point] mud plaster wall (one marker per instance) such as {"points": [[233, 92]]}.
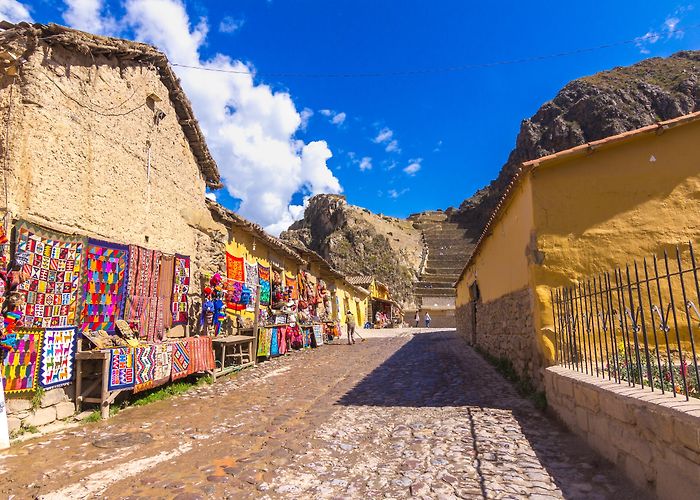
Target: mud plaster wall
{"points": [[78, 157]]}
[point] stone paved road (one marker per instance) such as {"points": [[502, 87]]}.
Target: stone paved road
{"points": [[395, 416]]}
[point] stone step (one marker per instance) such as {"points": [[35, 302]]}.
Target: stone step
{"points": [[438, 278], [454, 268], [447, 241], [422, 285]]}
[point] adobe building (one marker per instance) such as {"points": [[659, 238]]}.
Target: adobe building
{"points": [[570, 215]]}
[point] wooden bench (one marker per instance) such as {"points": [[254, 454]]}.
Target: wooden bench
{"points": [[237, 350]]}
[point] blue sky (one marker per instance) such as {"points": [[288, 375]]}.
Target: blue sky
{"points": [[399, 144]]}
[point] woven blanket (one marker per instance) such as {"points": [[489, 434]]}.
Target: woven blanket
{"points": [[282, 339], [291, 282], [235, 270], [181, 287], [56, 366], [142, 292], [201, 353], [264, 277], [165, 292], [164, 364], [251, 275], [318, 334], [181, 360], [264, 342], [144, 367], [54, 261], [20, 368], [103, 285], [121, 368], [274, 342]]}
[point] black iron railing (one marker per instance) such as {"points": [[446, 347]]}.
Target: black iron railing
{"points": [[636, 325]]}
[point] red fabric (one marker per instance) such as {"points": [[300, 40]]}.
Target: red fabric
{"points": [[201, 353], [235, 268]]}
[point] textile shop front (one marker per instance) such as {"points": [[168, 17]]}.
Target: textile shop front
{"points": [[94, 316]]}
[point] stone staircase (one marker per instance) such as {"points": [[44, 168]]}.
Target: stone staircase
{"points": [[448, 248]]}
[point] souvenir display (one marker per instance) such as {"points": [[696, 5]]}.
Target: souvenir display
{"points": [[20, 366], [58, 357]]}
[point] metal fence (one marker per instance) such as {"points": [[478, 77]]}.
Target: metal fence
{"points": [[635, 325]]}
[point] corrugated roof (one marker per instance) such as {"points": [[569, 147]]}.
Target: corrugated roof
{"points": [[125, 50], [589, 147]]}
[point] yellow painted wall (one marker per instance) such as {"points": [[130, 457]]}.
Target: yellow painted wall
{"points": [[601, 211], [501, 266]]}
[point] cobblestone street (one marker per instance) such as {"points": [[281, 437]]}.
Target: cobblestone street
{"points": [[407, 412]]}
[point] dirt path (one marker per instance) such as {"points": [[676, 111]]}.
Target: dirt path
{"points": [[399, 414]]}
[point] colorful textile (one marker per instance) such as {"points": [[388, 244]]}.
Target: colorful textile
{"points": [[307, 332], [264, 342], [274, 342], [103, 285], [54, 261], [163, 365], [181, 360], [181, 287], [264, 278], [291, 282], [144, 367], [142, 292], [251, 275], [295, 336], [165, 291], [201, 353], [56, 367], [121, 369], [235, 270], [318, 334], [282, 339], [20, 368]]}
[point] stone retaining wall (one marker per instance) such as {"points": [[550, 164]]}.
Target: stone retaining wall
{"points": [[24, 413], [504, 328], [654, 438]]}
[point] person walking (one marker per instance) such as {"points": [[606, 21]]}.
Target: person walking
{"points": [[427, 320], [417, 318], [350, 325]]}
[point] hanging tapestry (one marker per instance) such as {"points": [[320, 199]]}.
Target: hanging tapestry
{"points": [[201, 353], [264, 277], [121, 369], [251, 275], [21, 364], [142, 292], [163, 365], [291, 282], [144, 367], [103, 284], [57, 357], [307, 332], [274, 342], [318, 334], [181, 360], [53, 261], [165, 291], [282, 332], [235, 269], [181, 287], [264, 342]]}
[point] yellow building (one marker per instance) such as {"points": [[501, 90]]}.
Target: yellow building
{"points": [[570, 215], [379, 301]]}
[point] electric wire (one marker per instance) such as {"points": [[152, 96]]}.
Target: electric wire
{"points": [[446, 69]]}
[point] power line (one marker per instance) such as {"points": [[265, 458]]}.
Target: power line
{"points": [[447, 69]]}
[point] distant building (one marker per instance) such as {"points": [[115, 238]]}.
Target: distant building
{"points": [[570, 215], [380, 300]]}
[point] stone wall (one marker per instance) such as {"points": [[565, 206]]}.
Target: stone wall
{"points": [[654, 438], [505, 329], [27, 413]]}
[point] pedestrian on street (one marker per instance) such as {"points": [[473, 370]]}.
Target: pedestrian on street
{"points": [[417, 318], [427, 320], [350, 325]]}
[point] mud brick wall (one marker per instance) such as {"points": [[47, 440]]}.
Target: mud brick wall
{"points": [[505, 329], [654, 438]]}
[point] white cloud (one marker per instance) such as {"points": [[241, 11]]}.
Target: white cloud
{"points": [[669, 29], [393, 147], [249, 127], [89, 15], [414, 166], [326, 112], [210, 196], [14, 11], [338, 119], [230, 24], [305, 115], [366, 163], [438, 147], [393, 193], [384, 135]]}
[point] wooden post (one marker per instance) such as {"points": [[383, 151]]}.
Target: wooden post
{"points": [[104, 390], [256, 320], [4, 430]]}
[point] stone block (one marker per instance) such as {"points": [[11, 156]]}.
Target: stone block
{"points": [[687, 434], [677, 477], [565, 387], [582, 419], [598, 425], [13, 424], [587, 397], [17, 405], [53, 397], [616, 408], [64, 410], [654, 425], [41, 417]]}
